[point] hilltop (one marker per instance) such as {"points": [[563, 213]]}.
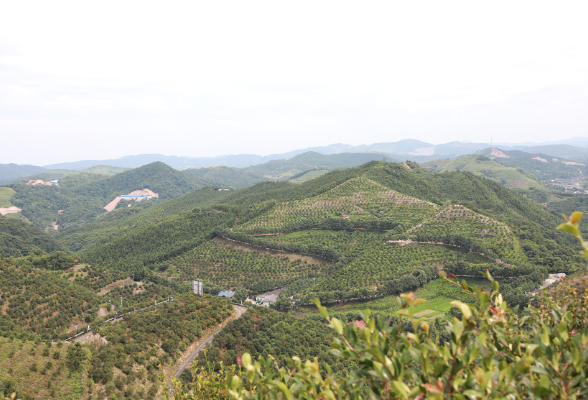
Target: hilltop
{"points": [[367, 228], [82, 197], [282, 169], [511, 175]]}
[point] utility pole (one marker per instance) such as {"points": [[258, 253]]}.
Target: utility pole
{"points": [[120, 301], [133, 277]]}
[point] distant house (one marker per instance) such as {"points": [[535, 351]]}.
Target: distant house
{"points": [[266, 300], [226, 294], [358, 324]]}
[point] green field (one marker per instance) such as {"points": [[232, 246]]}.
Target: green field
{"points": [[6, 194], [309, 175]]}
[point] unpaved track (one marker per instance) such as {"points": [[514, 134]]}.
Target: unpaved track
{"points": [[186, 364]]}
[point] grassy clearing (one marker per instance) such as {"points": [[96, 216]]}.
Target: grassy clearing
{"points": [[439, 297], [35, 372], [6, 194], [309, 175]]}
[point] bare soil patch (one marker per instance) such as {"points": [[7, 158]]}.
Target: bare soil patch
{"points": [[498, 153], [291, 256], [113, 285], [423, 313]]}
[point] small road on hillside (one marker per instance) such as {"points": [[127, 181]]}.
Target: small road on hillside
{"points": [[186, 364]]}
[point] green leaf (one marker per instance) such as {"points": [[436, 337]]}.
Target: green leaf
{"points": [[566, 226], [465, 309], [401, 389], [458, 328], [246, 359], [284, 389], [337, 326], [545, 337], [322, 310]]}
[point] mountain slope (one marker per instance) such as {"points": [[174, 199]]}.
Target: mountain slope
{"points": [[11, 172], [353, 219], [18, 237], [543, 166], [75, 205], [509, 176], [280, 169]]}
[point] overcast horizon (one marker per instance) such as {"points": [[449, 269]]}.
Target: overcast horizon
{"points": [[83, 81]]}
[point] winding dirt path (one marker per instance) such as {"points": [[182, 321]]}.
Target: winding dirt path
{"points": [[191, 357]]}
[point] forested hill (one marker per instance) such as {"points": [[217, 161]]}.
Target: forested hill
{"points": [[283, 169], [479, 164], [157, 176], [360, 222], [10, 172], [18, 237], [543, 166], [80, 203]]}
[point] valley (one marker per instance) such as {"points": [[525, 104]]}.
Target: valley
{"points": [[354, 232]]}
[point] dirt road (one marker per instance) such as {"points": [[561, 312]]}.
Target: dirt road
{"points": [[186, 364]]}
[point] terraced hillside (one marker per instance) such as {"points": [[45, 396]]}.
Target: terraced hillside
{"points": [[360, 200], [361, 222], [232, 265], [460, 226]]}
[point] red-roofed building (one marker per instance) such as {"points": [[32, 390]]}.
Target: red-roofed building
{"points": [[358, 324]]}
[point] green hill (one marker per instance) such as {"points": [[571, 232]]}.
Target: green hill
{"points": [[359, 224], [281, 169], [12, 172], [83, 196], [509, 176], [545, 167], [18, 237], [121, 358]]}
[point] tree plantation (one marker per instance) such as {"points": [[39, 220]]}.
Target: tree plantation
{"points": [[105, 307]]}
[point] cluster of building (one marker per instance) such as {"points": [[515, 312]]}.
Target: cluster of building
{"points": [[265, 300], [136, 195], [34, 182]]}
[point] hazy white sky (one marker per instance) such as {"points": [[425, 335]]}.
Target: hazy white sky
{"points": [[92, 80]]}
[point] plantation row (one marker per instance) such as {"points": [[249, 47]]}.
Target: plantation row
{"points": [[128, 363], [356, 200], [231, 267], [41, 301]]}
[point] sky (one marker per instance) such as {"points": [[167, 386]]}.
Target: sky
{"points": [[98, 80]]}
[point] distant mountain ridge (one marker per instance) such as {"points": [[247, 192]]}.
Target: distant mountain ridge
{"points": [[412, 149]]}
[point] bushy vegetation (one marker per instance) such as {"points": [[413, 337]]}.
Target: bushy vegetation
{"points": [[18, 237], [109, 227], [40, 301], [262, 332], [156, 244], [35, 369], [491, 351], [127, 365]]}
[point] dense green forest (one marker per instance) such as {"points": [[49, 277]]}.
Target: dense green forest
{"points": [[18, 237], [83, 197]]}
